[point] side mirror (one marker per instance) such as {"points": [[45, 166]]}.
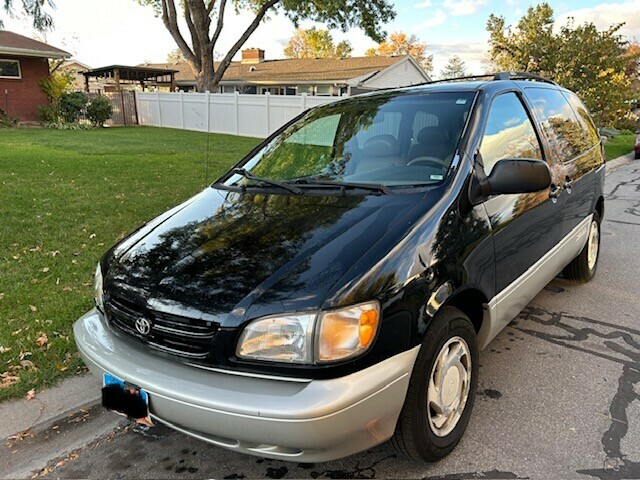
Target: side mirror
{"points": [[519, 176]]}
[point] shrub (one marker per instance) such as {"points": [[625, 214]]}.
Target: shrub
{"points": [[57, 84], [627, 123], [71, 105], [49, 113], [99, 111], [6, 120]]}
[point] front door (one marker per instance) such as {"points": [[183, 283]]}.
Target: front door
{"points": [[525, 226]]}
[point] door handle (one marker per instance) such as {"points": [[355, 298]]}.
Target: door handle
{"points": [[554, 193], [568, 184]]}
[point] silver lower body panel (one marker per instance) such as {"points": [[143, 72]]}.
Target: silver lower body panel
{"points": [[507, 304], [312, 421]]}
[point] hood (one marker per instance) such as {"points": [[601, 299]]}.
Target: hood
{"points": [[253, 254]]}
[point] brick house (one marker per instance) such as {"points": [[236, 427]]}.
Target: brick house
{"points": [[23, 62]]}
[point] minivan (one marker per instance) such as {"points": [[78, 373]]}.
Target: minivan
{"points": [[332, 290]]}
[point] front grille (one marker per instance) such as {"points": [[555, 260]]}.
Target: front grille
{"points": [[173, 334]]}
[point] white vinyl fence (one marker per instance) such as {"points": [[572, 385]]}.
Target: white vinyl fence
{"points": [[230, 113]]}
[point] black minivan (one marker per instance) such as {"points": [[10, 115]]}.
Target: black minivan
{"points": [[332, 291]]}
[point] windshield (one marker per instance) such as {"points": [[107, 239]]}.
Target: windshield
{"points": [[393, 140]]}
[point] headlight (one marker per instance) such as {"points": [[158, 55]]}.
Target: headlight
{"points": [[98, 295], [287, 338], [311, 338]]}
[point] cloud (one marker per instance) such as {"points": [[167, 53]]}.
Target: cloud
{"points": [[607, 14], [438, 18], [423, 4], [463, 7], [472, 54]]}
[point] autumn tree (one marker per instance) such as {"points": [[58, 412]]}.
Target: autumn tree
{"points": [[316, 43], [589, 61], [399, 43], [175, 56], [37, 10], [205, 21], [455, 67]]}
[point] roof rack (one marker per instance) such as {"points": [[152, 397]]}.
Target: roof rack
{"points": [[522, 76], [496, 77]]}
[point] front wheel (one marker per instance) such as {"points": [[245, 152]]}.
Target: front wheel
{"points": [[441, 390], [584, 266]]}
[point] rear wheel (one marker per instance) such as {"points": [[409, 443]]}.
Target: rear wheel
{"points": [[584, 266], [441, 390]]}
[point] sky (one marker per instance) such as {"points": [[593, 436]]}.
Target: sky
{"points": [[107, 32]]}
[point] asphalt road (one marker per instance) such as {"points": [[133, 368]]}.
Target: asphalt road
{"points": [[559, 392]]}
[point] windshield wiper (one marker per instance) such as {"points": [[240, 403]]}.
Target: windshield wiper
{"points": [[373, 187], [250, 176]]}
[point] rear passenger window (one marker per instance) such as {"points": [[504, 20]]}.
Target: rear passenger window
{"points": [[566, 135], [583, 117], [509, 133]]}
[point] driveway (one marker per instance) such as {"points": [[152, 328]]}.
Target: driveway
{"points": [[558, 397]]}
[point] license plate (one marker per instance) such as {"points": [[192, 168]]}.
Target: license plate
{"points": [[125, 399]]}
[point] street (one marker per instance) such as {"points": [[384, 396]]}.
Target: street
{"points": [[558, 394]]}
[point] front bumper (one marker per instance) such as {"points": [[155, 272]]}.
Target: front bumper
{"points": [[303, 421]]}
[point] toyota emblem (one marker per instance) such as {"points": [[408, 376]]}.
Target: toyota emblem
{"points": [[143, 326]]}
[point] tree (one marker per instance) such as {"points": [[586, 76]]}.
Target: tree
{"points": [[175, 56], [36, 9], [455, 67], [205, 22], [582, 58], [399, 43], [316, 43]]}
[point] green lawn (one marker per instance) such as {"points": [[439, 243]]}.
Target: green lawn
{"points": [[67, 196], [619, 145]]}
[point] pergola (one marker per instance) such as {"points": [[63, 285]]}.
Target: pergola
{"points": [[122, 73]]}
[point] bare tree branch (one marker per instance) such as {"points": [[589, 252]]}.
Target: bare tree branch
{"points": [[226, 61], [171, 23], [220, 23]]}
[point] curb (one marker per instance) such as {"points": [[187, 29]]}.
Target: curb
{"points": [[616, 163], [49, 405]]}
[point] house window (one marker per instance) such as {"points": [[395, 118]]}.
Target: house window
{"points": [[227, 88], [273, 90], [324, 90], [308, 89], [10, 69]]}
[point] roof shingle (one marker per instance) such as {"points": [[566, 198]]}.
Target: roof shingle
{"points": [[292, 69], [12, 43]]}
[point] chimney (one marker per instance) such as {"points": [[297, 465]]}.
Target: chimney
{"points": [[252, 55]]}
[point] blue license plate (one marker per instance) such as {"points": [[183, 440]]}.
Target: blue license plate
{"points": [[125, 399]]}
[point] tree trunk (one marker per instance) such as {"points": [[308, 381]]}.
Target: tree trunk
{"points": [[204, 78]]}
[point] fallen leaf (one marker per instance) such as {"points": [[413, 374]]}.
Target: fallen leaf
{"points": [[33, 308], [42, 339], [27, 364], [7, 379], [45, 269], [4, 349], [30, 394], [67, 289], [1, 296], [55, 252], [93, 235]]}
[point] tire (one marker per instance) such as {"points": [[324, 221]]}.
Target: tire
{"points": [[581, 269], [415, 436], [637, 156]]}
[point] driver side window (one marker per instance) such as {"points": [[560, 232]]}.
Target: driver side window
{"points": [[508, 133]]}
